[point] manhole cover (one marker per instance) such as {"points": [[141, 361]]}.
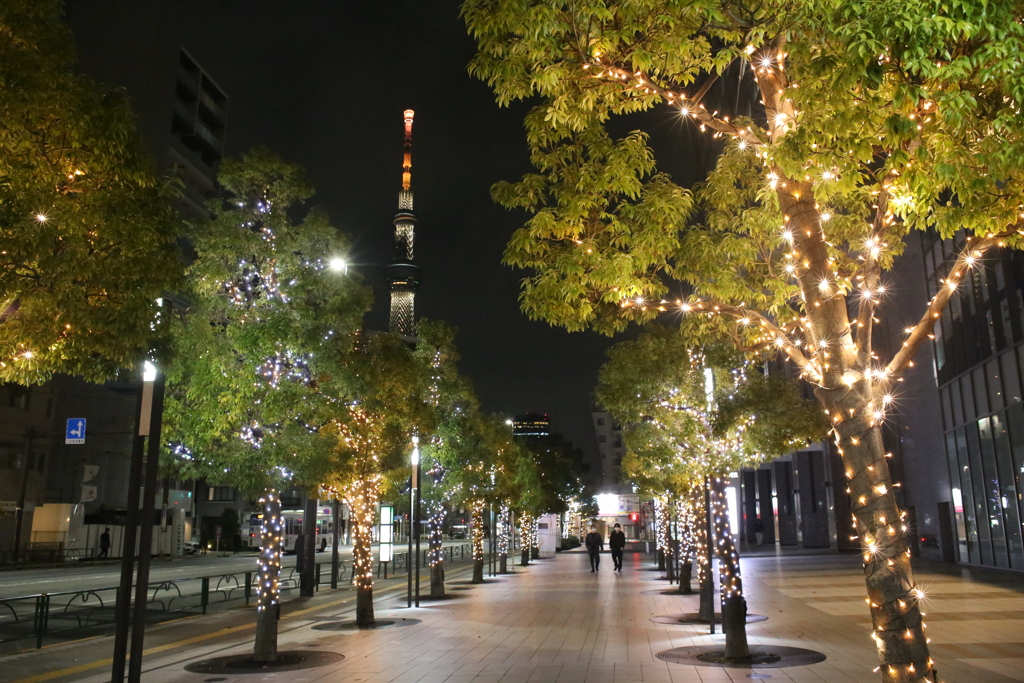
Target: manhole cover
{"points": [[353, 626], [761, 657], [694, 618], [245, 664], [666, 591]]}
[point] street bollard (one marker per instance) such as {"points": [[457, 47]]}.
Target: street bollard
{"points": [[248, 587], [316, 581], [204, 596]]}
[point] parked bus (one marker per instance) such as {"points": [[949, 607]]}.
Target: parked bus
{"points": [[293, 525]]}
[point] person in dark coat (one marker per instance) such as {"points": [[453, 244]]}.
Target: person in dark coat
{"points": [[595, 544], [104, 543], [617, 542]]}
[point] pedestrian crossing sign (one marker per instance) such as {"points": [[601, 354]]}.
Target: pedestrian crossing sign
{"points": [[75, 432]]}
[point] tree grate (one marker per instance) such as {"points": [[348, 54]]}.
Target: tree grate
{"points": [[761, 657], [351, 625], [694, 618], [295, 660]]}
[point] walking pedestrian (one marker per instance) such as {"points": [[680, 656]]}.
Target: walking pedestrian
{"points": [[617, 542], [595, 544], [759, 531], [104, 543]]}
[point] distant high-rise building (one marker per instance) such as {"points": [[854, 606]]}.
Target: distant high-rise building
{"points": [[611, 448], [403, 273], [531, 424], [198, 126]]}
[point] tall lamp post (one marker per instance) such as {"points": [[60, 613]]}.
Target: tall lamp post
{"points": [[138, 524], [413, 595]]}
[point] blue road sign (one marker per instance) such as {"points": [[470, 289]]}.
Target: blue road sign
{"points": [[75, 432]]}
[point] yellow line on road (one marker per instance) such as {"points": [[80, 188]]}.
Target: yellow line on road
{"points": [[171, 646]]}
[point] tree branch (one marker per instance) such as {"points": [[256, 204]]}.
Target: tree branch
{"points": [[783, 340], [972, 251], [872, 273], [688, 106]]}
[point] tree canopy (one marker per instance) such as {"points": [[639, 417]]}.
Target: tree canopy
{"points": [[260, 354], [87, 231]]}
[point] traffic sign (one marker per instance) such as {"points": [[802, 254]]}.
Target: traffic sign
{"points": [[75, 432], [216, 531]]}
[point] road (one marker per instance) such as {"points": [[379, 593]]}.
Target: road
{"points": [[93, 576]]}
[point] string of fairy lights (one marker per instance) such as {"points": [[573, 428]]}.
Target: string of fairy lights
{"points": [[476, 521], [830, 357], [526, 524], [502, 529], [361, 494], [272, 543]]}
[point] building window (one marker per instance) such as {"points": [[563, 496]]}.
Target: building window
{"points": [[602, 438], [17, 396], [600, 422], [221, 494]]}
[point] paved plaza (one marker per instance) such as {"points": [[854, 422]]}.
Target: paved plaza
{"points": [[556, 621]]}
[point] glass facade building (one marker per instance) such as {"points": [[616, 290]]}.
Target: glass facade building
{"points": [[979, 355]]}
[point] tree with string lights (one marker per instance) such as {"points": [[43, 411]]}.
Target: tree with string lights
{"points": [[255, 355], [87, 228], [473, 463], [385, 403], [452, 402], [690, 423], [862, 120]]}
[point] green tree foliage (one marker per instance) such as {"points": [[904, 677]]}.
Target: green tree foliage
{"points": [[87, 233], [260, 354], [868, 118], [690, 413]]}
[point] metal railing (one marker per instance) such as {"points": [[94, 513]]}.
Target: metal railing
{"points": [[45, 615]]}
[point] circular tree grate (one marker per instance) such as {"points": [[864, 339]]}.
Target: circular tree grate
{"points": [[245, 664], [446, 596], [353, 626], [694, 618], [478, 583], [667, 591], [761, 657]]}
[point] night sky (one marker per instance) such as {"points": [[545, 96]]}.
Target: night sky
{"points": [[324, 85]]}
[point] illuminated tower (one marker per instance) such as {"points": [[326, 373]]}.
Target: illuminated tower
{"points": [[403, 273]]}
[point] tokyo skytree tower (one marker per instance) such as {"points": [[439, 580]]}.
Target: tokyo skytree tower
{"points": [[403, 273]]}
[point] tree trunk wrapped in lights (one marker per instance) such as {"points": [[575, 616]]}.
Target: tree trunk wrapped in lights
{"points": [[361, 497], [673, 542], [734, 605], [705, 580], [792, 247], [435, 524], [525, 537], [688, 541], [662, 518], [534, 540], [503, 533], [476, 530], [268, 596]]}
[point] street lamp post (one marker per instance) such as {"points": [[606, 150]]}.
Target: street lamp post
{"points": [[412, 557]]}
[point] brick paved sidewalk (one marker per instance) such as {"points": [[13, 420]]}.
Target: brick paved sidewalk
{"points": [[556, 621]]}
